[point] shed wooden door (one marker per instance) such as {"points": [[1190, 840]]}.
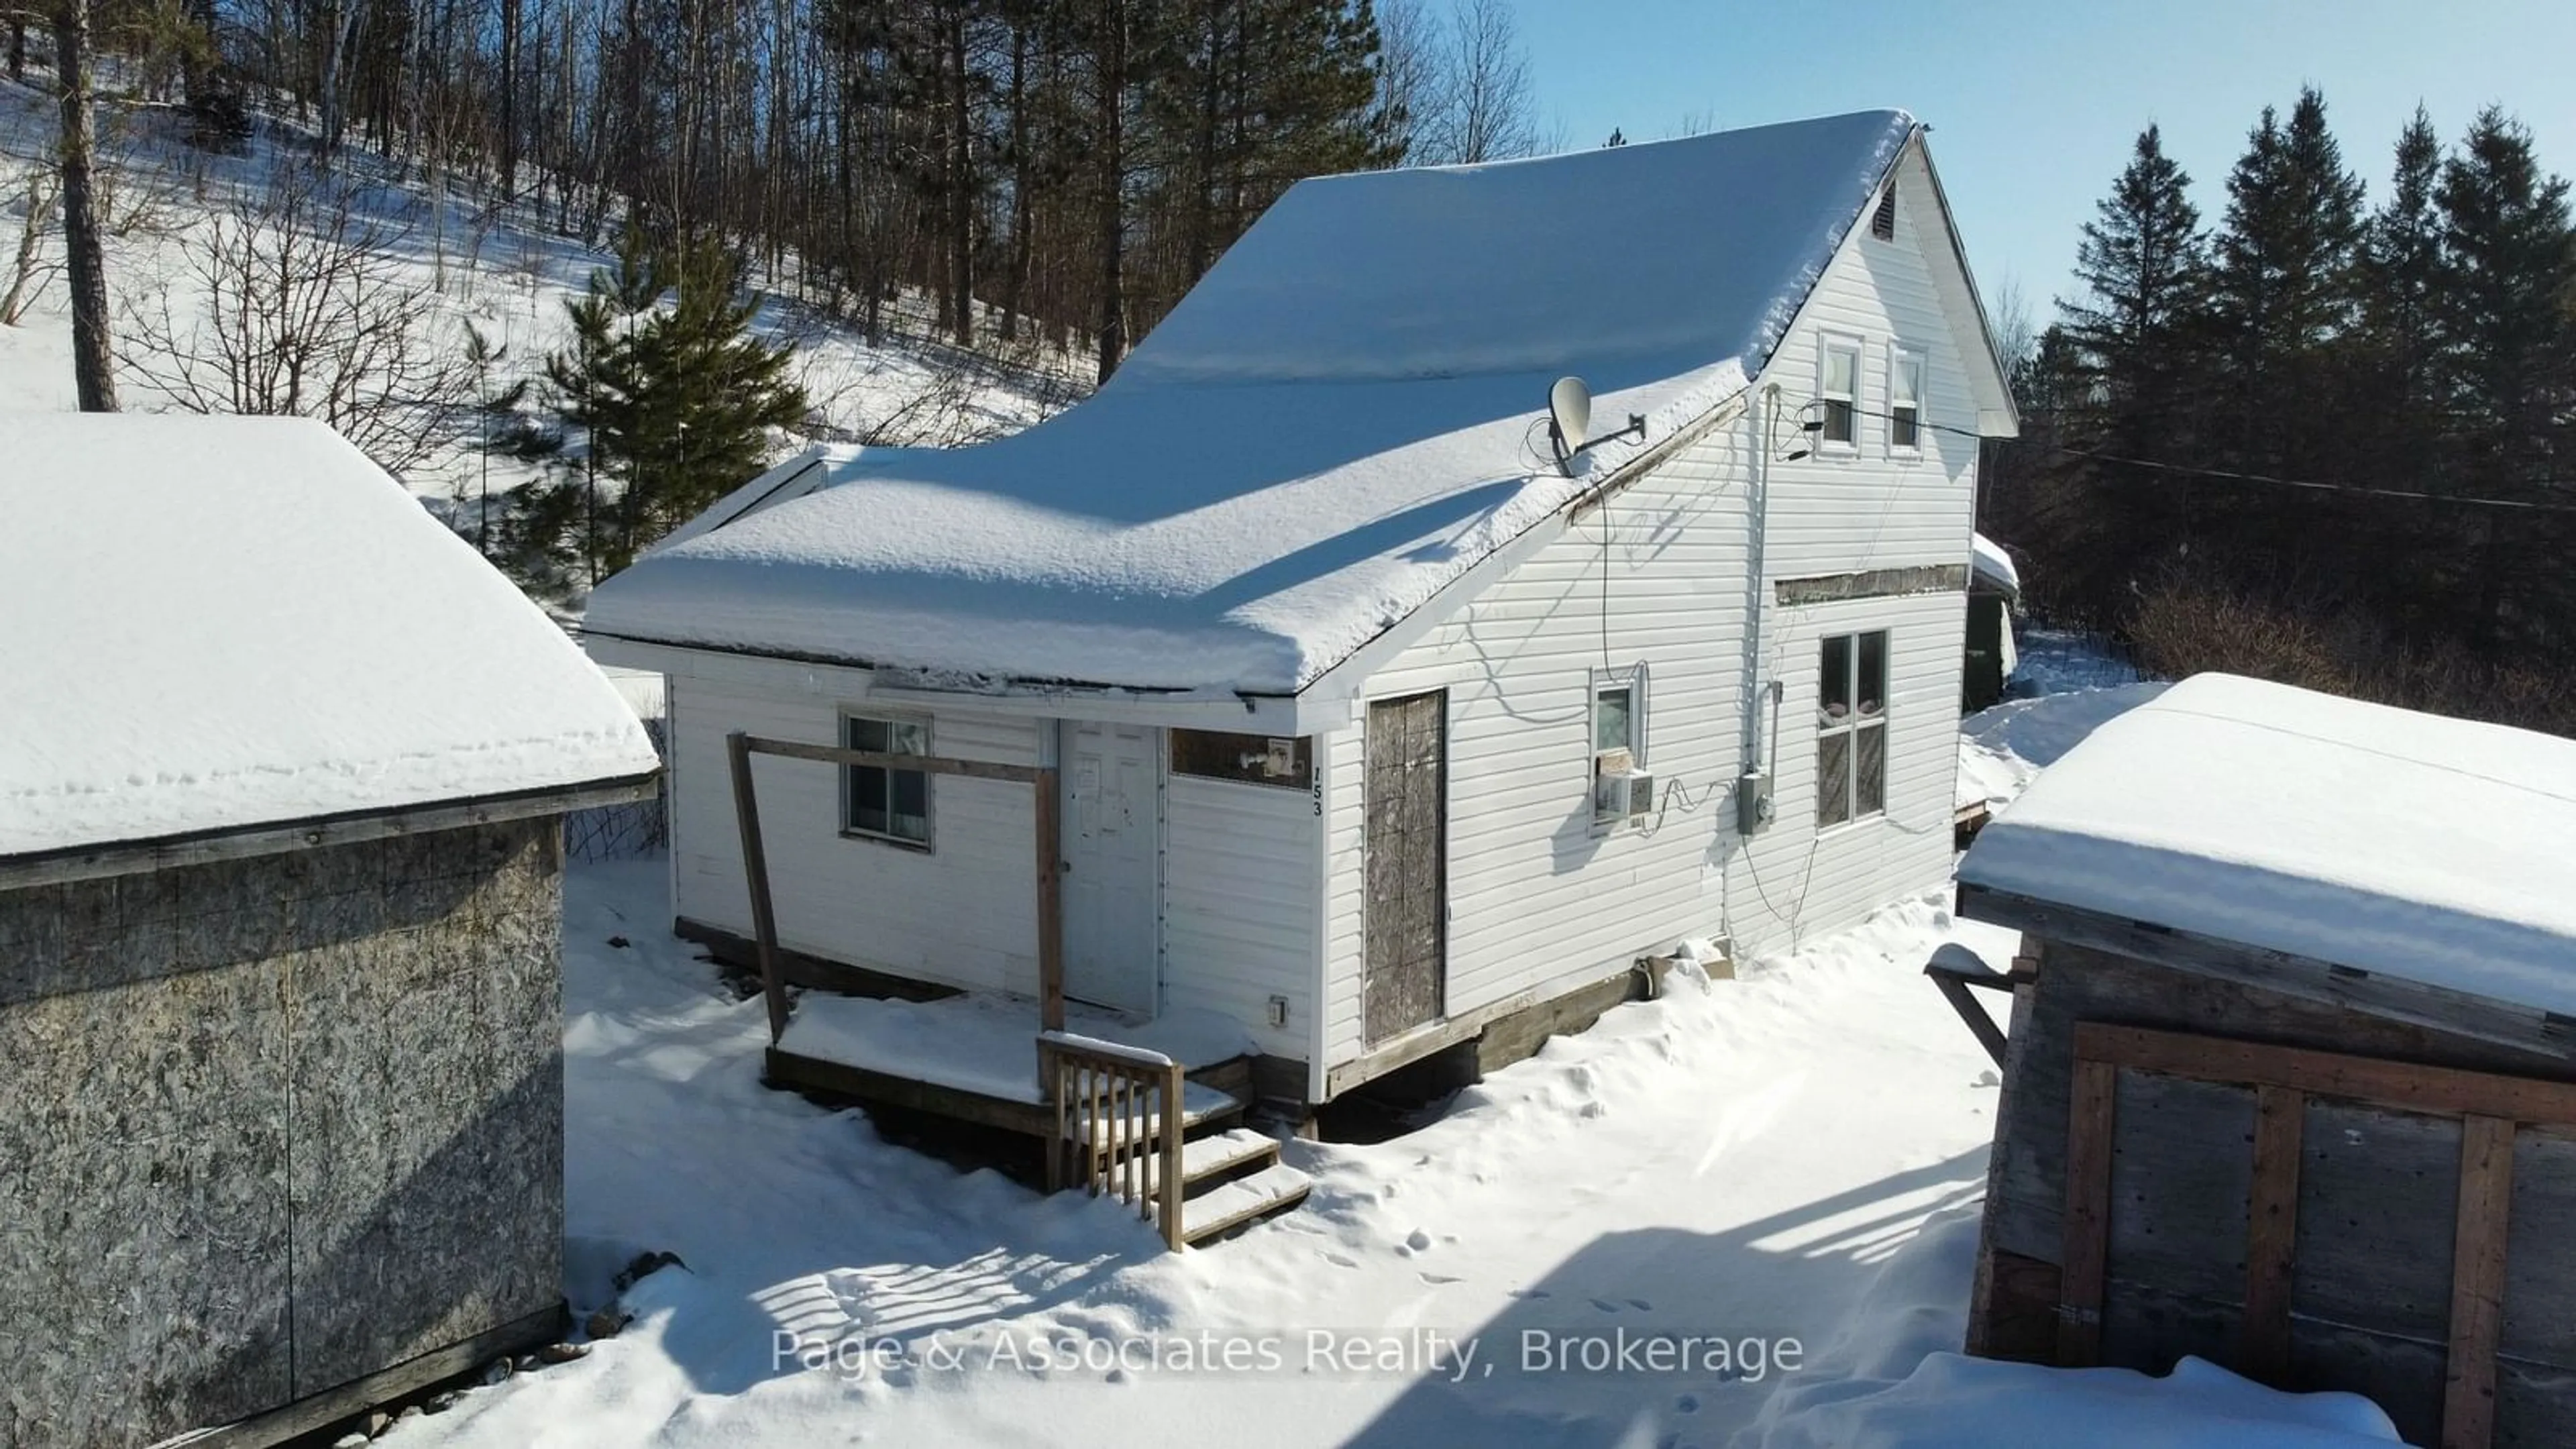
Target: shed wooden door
{"points": [[1407, 857]]}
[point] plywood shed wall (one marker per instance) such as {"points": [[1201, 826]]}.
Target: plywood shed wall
{"points": [[273, 1125], [2372, 1206]]}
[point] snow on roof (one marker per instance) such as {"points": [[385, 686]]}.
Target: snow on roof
{"points": [[1992, 563], [1346, 414], [2430, 849], [218, 623]]}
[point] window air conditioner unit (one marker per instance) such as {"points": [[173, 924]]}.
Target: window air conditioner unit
{"points": [[1621, 789]]}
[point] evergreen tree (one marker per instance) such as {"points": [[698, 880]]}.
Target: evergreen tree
{"points": [[2143, 264], [2281, 285], [672, 401], [2281, 300], [2504, 371], [2144, 268]]}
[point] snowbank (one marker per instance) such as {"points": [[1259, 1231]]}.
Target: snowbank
{"points": [[226, 622], [2426, 848], [1346, 414], [1954, 1402]]}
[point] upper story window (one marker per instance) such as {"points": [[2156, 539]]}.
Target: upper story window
{"points": [[1905, 401], [1851, 727], [1840, 390], [879, 803]]}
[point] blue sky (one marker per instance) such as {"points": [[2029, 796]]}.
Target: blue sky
{"points": [[2034, 103]]}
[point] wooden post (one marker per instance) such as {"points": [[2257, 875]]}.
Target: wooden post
{"points": [[2272, 1232], [2477, 1281], [1169, 1206], [2088, 1213], [1050, 905], [755, 869]]}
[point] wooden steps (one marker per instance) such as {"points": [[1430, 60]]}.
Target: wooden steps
{"points": [[1232, 1178], [1196, 1178], [1271, 1191]]}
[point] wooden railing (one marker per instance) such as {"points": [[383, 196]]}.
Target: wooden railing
{"points": [[1118, 1123]]}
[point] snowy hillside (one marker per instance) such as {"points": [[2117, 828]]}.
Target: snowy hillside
{"points": [[505, 271]]}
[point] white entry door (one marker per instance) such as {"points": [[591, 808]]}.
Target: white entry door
{"points": [[1112, 830]]}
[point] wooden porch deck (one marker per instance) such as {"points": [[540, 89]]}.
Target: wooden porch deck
{"points": [[974, 1057]]}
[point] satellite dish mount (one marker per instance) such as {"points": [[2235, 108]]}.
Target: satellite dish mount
{"points": [[1569, 422]]}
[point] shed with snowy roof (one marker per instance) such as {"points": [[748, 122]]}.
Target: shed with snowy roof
{"points": [[1372, 730], [282, 765], [2291, 1077]]}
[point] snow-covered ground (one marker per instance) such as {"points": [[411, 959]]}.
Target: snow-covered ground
{"points": [[1764, 1189]]}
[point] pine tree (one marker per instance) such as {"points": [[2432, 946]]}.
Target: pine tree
{"points": [[672, 401], [2281, 300], [2505, 369], [2142, 262], [2281, 286]]}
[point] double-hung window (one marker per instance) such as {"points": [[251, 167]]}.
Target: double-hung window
{"points": [[1905, 401], [1851, 728], [1840, 391], [882, 803]]}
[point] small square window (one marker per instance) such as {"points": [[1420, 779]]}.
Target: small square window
{"points": [[1841, 393], [1851, 727], [1905, 402], [880, 803]]}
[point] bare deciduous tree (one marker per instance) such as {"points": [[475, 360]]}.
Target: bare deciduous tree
{"points": [[1481, 103], [29, 269], [293, 299]]}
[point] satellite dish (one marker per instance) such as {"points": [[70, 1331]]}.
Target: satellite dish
{"points": [[1569, 422], [1569, 417]]}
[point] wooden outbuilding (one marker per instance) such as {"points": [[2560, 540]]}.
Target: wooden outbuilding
{"points": [[2291, 1076], [282, 770]]}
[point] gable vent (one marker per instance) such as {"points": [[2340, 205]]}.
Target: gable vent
{"points": [[1882, 222]]}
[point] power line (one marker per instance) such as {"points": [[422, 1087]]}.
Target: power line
{"points": [[2464, 500]]}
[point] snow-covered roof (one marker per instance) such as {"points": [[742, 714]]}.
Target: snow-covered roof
{"points": [[1996, 566], [221, 623], [1345, 415], [2429, 849]]}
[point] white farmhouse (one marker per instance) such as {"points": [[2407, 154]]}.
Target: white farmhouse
{"points": [[1375, 728]]}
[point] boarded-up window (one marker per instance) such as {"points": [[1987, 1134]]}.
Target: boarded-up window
{"points": [[1246, 759]]}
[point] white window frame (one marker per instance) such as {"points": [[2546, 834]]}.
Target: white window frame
{"points": [[1854, 725], [1899, 359], [1631, 678], [1827, 346], [850, 827]]}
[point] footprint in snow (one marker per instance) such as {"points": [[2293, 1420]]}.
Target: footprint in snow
{"points": [[1531, 1293], [1605, 1305], [1341, 1260], [1641, 1305], [1687, 1404], [1438, 1279]]}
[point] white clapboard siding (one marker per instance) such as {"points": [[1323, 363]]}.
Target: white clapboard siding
{"points": [[1239, 906], [1540, 899], [1793, 881], [963, 913]]}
